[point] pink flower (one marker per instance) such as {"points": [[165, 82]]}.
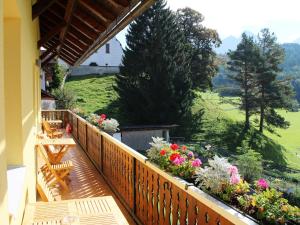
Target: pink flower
{"points": [[178, 161], [162, 152], [174, 156], [183, 148], [196, 163], [235, 179], [233, 170], [174, 146], [103, 116], [190, 154], [262, 183]]}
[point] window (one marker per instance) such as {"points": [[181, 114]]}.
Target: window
{"points": [[107, 50]]}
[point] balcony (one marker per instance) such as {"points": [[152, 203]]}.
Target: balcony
{"points": [[103, 166]]}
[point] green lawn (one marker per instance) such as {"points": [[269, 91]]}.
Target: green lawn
{"points": [[288, 138], [95, 94]]}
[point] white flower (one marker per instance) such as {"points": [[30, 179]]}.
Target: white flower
{"points": [[110, 125]]}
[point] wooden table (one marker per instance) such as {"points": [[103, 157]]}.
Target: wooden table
{"points": [[61, 146], [87, 211]]}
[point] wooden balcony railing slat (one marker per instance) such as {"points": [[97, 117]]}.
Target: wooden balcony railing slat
{"points": [[151, 195]]}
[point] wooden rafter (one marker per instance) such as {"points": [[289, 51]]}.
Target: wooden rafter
{"points": [[82, 37], [75, 42], [93, 22], [98, 10], [40, 7], [49, 50], [70, 8], [123, 3], [90, 32], [57, 29], [48, 59]]}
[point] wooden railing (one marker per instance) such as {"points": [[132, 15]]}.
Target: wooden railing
{"points": [[151, 195]]}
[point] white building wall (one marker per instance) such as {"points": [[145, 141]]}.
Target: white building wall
{"points": [[113, 58]]}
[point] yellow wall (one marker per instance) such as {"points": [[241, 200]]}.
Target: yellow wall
{"points": [[3, 180], [19, 97]]}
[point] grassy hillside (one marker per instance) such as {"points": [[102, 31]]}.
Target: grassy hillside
{"points": [[287, 141], [95, 94], [219, 123]]}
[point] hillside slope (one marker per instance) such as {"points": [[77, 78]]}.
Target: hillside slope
{"points": [[220, 123]]}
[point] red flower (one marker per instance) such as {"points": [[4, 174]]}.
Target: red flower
{"points": [[162, 152], [183, 147], [174, 146], [174, 156], [103, 116]]}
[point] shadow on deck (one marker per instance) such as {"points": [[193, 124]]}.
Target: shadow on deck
{"points": [[86, 181]]}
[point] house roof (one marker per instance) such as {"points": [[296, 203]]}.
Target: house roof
{"points": [[73, 29]]}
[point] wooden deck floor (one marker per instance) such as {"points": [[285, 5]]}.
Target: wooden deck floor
{"points": [[86, 181]]}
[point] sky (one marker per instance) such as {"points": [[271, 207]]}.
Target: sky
{"points": [[232, 17]]}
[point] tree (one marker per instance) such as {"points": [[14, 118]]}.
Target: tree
{"points": [[202, 41], [243, 63], [154, 84], [272, 92]]}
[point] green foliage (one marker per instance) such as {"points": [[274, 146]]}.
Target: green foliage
{"points": [[250, 165], [154, 85], [202, 41], [65, 98], [58, 76], [243, 63]]}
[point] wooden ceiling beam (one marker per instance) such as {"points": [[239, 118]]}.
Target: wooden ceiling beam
{"points": [[98, 10], [74, 46], [82, 37], [72, 50], [66, 60], [94, 22], [49, 50], [84, 28], [70, 53], [51, 34], [67, 55], [40, 7], [70, 8], [48, 59], [75, 42], [124, 3]]}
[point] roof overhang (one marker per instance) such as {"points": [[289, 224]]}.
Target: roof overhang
{"points": [[73, 29]]}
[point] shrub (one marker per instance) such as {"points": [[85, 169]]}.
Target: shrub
{"points": [[65, 98], [250, 165]]}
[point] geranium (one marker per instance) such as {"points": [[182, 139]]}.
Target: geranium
{"points": [[174, 156], [233, 170], [196, 163], [178, 161], [103, 116], [262, 184], [163, 152], [235, 179], [190, 154], [183, 148], [174, 146]]}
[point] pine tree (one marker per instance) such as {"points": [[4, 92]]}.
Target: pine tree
{"points": [[202, 40], [154, 83], [272, 92], [243, 63]]}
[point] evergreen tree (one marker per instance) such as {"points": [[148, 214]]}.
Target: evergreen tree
{"points": [[202, 41], [272, 92], [243, 63], [154, 83]]}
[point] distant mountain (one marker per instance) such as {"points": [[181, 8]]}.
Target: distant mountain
{"points": [[228, 43], [297, 41], [291, 62]]}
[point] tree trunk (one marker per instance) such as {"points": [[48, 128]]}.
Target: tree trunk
{"points": [[262, 111]]}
